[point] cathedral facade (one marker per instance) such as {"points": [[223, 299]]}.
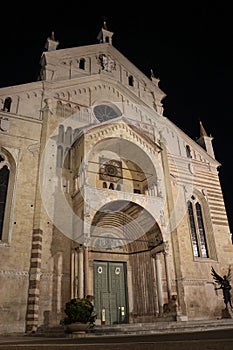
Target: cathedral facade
{"points": [[102, 195]]}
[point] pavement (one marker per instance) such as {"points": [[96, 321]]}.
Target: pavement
{"points": [[176, 335]]}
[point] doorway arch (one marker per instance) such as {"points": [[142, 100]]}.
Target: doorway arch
{"points": [[122, 237]]}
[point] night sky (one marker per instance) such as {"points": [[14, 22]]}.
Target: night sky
{"points": [[189, 48]]}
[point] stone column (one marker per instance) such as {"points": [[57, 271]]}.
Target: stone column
{"points": [[130, 292], [59, 280], [80, 273], [72, 274], [75, 285], [86, 271], [159, 283], [168, 279]]}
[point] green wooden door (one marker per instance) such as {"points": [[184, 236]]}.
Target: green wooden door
{"points": [[110, 291]]}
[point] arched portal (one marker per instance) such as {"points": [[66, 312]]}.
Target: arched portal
{"points": [[122, 237]]}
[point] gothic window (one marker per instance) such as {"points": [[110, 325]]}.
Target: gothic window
{"points": [[201, 230], [193, 230], [7, 172], [197, 228], [4, 178]]}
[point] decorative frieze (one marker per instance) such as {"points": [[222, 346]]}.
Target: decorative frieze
{"points": [[14, 274]]}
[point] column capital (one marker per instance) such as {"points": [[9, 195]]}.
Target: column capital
{"points": [[165, 247], [157, 250]]}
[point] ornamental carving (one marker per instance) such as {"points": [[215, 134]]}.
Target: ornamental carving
{"points": [[107, 63]]}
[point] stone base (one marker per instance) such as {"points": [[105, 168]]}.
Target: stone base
{"points": [[180, 317], [79, 334], [227, 312], [77, 328]]}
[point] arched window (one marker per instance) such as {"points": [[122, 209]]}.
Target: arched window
{"points": [[60, 108], [130, 80], [197, 228], [68, 136], [7, 173], [4, 178], [59, 156], [61, 134], [67, 109]]}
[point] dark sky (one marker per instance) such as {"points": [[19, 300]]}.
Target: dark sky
{"points": [[188, 46]]}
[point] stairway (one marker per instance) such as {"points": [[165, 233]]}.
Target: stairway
{"points": [[141, 328]]}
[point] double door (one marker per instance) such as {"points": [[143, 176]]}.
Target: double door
{"points": [[110, 292]]}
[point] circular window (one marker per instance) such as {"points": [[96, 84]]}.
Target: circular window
{"points": [[106, 112], [111, 170]]}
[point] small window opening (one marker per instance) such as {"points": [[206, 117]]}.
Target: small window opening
{"points": [[7, 104], [82, 63], [131, 80], [188, 152]]}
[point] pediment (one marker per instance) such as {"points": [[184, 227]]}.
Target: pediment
{"points": [[122, 128]]}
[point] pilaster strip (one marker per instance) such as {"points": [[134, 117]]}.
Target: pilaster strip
{"points": [[34, 282]]}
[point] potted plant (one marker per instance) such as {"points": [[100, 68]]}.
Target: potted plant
{"points": [[78, 313]]}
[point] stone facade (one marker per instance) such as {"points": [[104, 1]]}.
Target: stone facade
{"points": [[104, 195]]}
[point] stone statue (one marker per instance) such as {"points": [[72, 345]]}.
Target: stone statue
{"points": [[224, 284], [171, 308]]}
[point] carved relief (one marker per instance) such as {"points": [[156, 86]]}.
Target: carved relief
{"points": [[107, 63], [4, 124]]}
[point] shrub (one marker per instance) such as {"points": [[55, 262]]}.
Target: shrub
{"points": [[77, 310]]}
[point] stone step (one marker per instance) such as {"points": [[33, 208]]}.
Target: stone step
{"points": [[161, 327], [141, 328]]}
